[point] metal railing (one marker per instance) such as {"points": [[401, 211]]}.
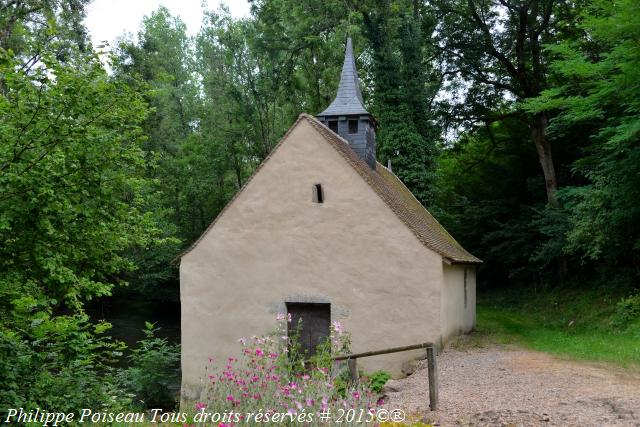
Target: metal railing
{"points": [[431, 366]]}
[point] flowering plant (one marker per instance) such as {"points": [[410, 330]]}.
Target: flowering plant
{"points": [[271, 377]]}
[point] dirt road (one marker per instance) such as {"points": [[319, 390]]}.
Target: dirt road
{"points": [[501, 386]]}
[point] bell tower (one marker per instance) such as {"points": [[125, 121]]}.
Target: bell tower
{"points": [[347, 116]]}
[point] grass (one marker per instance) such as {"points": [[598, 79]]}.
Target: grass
{"points": [[572, 324]]}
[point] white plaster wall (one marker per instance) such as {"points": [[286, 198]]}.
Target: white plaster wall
{"points": [[273, 244], [456, 318]]}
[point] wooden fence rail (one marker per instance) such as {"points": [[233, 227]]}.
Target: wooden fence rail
{"points": [[431, 366]]}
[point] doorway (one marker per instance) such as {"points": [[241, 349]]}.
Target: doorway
{"points": [[311, 321]]}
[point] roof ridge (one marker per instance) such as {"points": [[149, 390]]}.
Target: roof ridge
{"points": [[441, 242]]}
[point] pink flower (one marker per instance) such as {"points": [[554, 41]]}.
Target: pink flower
{"points": [[280, 317], [289, 317], [210, 359], [273, 355], [356, 395], [259, 352], [309, 402], [200, 406], [337, 326], [230, 398], [243, 341], [325, 403]]}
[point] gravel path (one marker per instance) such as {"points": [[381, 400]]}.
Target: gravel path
{"points": [[499, 386]]}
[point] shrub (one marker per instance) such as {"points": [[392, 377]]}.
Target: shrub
{"points": [[377, 380], [61, 362], [270, 375], [627, 311], [153, 371]]}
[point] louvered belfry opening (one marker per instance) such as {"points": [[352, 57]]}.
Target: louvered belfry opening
{"points": [[347, 116]]}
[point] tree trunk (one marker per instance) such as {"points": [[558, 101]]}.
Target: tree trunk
{"points": [[539, 134]]}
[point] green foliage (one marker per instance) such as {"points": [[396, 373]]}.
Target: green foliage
{"points": [[568, 323], [58, 362], [72, 204], [627, 311], [27, 24], [152, 371], [377, 380], [489, 193], [105, 178], [592, 101], [70, 179], [406, 136], [597, 74]]}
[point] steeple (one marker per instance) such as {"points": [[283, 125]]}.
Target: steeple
{"points": [[347, 116]]}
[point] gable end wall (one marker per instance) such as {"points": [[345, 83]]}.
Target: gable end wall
{"points": [[273, 244]]}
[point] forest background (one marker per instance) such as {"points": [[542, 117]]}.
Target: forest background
{"points": [[515, 122]]}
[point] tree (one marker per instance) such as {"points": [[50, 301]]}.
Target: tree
{"points": [[159, 65], [28, 28], [596, 76], [401, 95], [492, 52], [71, 197]]}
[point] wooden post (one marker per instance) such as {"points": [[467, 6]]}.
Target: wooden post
{"points": [[433, 378], [353, 368]]}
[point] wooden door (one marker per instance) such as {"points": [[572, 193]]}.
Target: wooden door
{"points": [[311, 321]]}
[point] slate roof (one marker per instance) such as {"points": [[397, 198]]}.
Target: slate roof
{"points": [[348, 100], [390, 189]]}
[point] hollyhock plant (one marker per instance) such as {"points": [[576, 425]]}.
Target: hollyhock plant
{"points": [[271, 376]]}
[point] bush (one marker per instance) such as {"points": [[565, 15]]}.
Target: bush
{"points": [[61, 363], [377, 380], [270, 375], [627, 311], [153, 371]]}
